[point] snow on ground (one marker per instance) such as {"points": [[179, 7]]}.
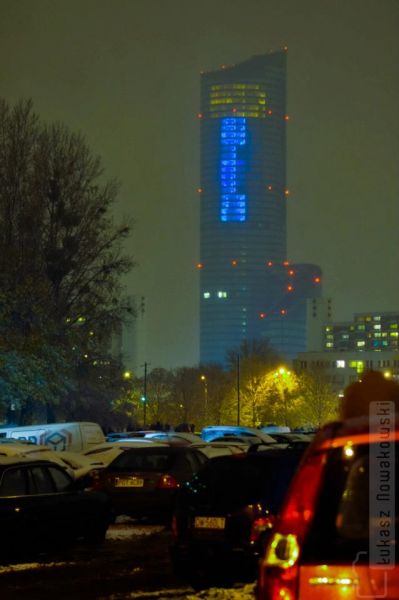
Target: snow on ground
{"points": [[125, 528], [244, 592], [12, 568]]}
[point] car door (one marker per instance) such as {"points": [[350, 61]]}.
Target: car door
{"points": [[60, 508], [16, 519]]}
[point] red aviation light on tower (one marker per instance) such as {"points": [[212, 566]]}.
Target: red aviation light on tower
{"points": [[262, 315], [283, 311], [269, 263], [286, 192], [234, 110], [200, 190], [270, 187], [290, 288], [200, 265], [316, 280], [291, 272], [286, 117], [234, 263], [286, 263], [270, 112], [199, 115]]}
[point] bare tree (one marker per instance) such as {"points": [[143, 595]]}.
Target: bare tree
{"points": [[61, 255], [319, 403]]}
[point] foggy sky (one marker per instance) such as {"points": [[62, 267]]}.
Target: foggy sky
{"points": [[126, 74]]}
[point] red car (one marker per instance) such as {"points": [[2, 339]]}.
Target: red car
{"points": [[336, 536]]}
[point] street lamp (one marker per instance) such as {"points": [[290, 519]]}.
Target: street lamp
{"points": [[204, 380], [144, 396], [283, 378], [238, 389]]}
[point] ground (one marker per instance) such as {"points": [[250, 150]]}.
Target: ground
{"points": [[133, 563]]}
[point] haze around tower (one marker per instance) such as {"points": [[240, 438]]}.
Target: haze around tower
{"points": [[127, 75]]}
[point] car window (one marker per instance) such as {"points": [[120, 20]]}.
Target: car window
{"points": [[13, 483], [155, 460], [352, 520], [43, 484], [341, 526], [228, 482], [235, 481], [189, 463], [61, 480]]}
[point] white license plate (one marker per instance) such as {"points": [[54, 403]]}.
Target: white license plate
{"points": [[129, 482], [209, 522]]}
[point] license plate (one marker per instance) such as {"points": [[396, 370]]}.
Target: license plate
{"points": [[129, 482], [209, 522]]}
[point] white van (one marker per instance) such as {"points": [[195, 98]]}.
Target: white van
{"points": [[74, 437]]}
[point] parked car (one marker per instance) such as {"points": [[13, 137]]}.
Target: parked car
{"points": [[123, 435], [215, 448], [76, 465], [102, 455], [338, 527], [142, 482], [291, 437], [174, 437], [224, 514], [41, 506], [219, 431]]}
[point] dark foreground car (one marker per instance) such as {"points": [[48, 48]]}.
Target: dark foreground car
{"points": [[42, 507], [142, 482], [337, 533], [225, 513]]}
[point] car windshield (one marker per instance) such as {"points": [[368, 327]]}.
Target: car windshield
{"points": [[345, 521], [159, 460]]}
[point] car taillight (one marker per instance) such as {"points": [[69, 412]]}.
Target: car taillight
{"points": [[278, 572], [259, 526], [279, 584], [168, 482]]}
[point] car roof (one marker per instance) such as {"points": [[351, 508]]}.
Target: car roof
{"points": [[123, 444], [8, 461]]}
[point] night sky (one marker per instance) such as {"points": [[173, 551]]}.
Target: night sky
{"points": [[126, 74]]}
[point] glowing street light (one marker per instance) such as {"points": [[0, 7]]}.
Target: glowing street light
{"points": [[204, 381]]}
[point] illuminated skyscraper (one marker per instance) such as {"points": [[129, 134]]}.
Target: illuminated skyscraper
{"points": [[248, 288]]}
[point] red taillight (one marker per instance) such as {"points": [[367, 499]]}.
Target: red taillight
{"points": [[278, 573], [279, 584], [259, 526], [168, 482]]}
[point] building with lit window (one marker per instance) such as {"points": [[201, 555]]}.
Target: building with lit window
{"points": [[367, 331], [248, 287], [348, 349]]}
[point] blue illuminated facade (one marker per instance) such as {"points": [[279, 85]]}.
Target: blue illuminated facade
{"points": [[233, 203], [245, 282]]}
